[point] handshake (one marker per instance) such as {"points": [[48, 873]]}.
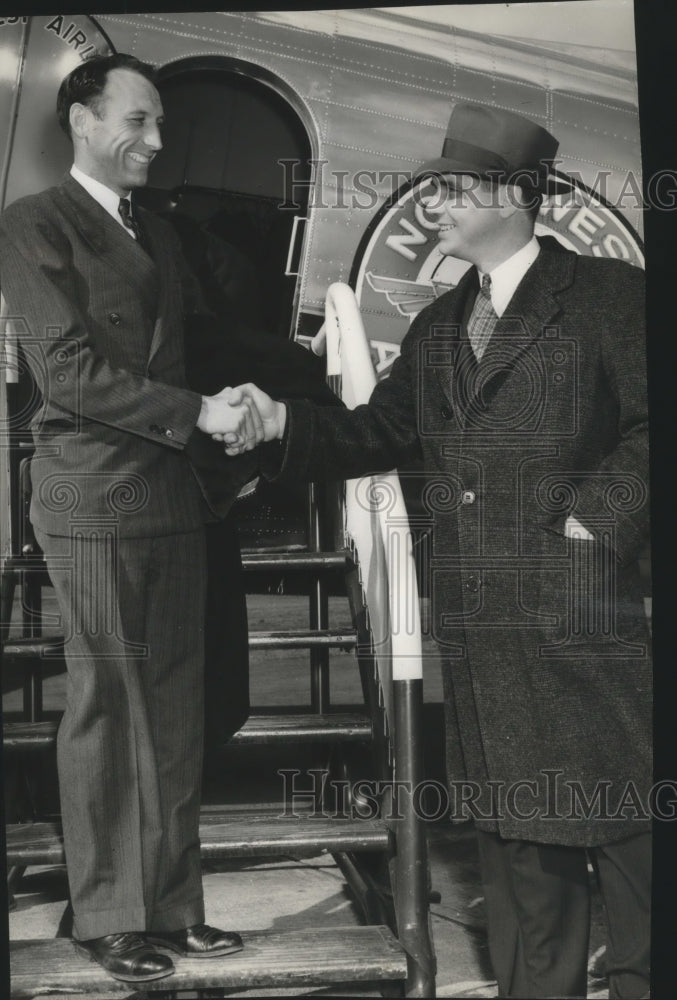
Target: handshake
{"points": [[242, 418]]}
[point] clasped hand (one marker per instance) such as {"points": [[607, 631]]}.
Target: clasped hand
{"points": [[241, 418]]}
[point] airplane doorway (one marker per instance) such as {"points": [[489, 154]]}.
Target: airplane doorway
{"points": [[219, 173], [219, 182]]}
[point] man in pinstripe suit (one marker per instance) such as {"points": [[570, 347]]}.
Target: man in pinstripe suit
{"points": [[119, 511]]}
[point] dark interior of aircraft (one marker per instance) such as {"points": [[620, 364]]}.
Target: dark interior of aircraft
{"points": [[219, 182], [224, 136]]}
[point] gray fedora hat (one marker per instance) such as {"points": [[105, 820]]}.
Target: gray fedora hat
{"points": [[497, 144]]}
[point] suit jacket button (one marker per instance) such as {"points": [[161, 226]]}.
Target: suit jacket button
{"points": [[114, 318], [468, 496], [446, 412], [473, 584], [169, 433]]}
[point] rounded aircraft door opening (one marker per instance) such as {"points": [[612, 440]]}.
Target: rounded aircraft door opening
{"points": [[219, 182], [219, 173]]}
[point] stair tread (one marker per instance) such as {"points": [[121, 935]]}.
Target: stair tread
{"points": [[340, 726], [296, 556], [312, 956], [232, 833], [289, 639], [254, 560], [303, 638]]}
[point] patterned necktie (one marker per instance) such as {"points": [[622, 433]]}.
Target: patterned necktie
{"points": [[130, 222], [482, 319]]}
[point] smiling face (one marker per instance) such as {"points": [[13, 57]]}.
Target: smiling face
{"points": [[468, 215], [116, 139]]}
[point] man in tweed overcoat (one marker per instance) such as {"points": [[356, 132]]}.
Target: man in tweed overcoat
{"points": [[540, 453]]}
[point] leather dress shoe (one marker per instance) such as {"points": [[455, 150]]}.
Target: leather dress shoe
{"points": [[198, 941], [127, 956]]}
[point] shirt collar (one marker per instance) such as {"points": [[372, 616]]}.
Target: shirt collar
{"points": [[107, 198], [506, 277]]}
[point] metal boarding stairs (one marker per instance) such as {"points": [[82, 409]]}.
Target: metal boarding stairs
{"points": [[383, 859]]}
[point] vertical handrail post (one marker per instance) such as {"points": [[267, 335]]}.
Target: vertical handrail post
{"points": [[318, 611], [411, 862], [398, 650]]}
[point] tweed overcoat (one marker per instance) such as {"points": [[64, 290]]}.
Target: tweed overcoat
{"points": [[544, 639]]}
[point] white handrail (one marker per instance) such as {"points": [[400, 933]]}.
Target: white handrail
{"points": [[376, 524], [376, 516]]}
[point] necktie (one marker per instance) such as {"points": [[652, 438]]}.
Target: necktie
{"points": [[482, 319], [131, 223]]}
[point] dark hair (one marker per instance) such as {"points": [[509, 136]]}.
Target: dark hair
{"points": [[85, 84]]}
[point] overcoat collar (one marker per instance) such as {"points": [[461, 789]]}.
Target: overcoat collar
{"points": [[532, 309], [534, 305], [458, 303]]}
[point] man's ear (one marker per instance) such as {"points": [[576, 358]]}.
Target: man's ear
{"points": [[78, 117], [511, 200]]}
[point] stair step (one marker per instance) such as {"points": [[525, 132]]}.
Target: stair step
{"points": [[52, 648], [296, 561], [304, 639], [229, 834], [338, 727], [253, 560], [312, 956], [29, 735], [245, 835]]}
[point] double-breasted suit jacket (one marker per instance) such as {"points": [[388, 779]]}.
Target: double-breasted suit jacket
{"points": [[544, 639], [101, 324], [100, 321]]}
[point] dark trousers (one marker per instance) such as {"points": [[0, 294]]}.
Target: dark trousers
{"points": [[226, 640], [129, 747], [538, 913]]}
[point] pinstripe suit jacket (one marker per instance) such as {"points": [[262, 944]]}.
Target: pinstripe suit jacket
{"points": [[100, 323]]}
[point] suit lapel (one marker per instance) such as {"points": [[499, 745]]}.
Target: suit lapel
{"points": [[164, 266], [109, 241]]}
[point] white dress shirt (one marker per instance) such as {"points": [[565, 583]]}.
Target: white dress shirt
{"points": [[506, 277], [107, 198]]}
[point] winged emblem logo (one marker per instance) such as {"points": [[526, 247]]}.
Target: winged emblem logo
{"points": [[408, 297]]}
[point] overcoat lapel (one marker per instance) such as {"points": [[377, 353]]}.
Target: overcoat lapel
{"points": [[459, 305], [532, 309]]}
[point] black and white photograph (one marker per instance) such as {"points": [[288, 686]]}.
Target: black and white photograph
{"points": [[334, 400]]}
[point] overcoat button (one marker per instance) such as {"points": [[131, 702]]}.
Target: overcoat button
{"points": [[468, 496], [473, 584], [114, 318], [446, 413], [169, 433]]}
